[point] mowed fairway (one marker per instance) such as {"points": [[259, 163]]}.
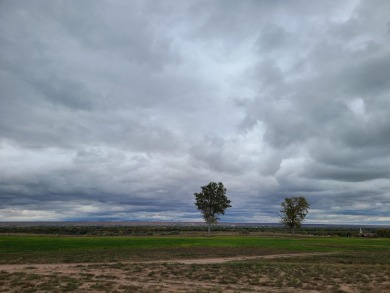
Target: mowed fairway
{"points": [[193, 264]]}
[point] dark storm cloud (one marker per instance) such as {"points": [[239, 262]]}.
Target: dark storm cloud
{"points": [[122, 110]]}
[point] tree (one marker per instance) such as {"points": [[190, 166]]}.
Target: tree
{"points": [[212, 202], [294, 211]]}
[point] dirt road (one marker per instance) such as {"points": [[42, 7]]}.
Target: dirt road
{"points": [[72, 266]]}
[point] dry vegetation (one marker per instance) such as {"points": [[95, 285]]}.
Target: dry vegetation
{"points": [[193, 264], [351, 272]]}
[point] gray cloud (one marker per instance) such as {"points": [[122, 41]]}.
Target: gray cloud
{"points": [[123, 110]]}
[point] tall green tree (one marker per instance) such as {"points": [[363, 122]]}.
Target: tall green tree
{"points": [[294, 211], [212, 202]]}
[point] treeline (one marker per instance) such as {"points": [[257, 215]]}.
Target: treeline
{"points": [[177, 230], [383, 232]]}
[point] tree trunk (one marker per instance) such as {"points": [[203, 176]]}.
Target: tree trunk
{"points": [[293, 231], [208, 229]]}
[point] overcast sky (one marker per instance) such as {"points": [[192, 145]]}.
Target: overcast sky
{"points": [[121, 110]]}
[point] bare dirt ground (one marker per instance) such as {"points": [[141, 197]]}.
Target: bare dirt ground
{"points": [[263, 273], [214, 260]]}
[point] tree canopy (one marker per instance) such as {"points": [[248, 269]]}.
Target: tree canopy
{"points": [[212, 202], [294, 211]]}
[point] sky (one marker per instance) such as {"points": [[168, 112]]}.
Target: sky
{"points": [[122, 110]]}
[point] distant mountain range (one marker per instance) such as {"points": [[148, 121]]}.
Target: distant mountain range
{"points": [[170, 224]]}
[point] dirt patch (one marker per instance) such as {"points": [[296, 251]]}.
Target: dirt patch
{"points": [[134, 254], [262, 273], [244, 258], [214, 260]]}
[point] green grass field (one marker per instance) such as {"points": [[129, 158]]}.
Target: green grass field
{"points": [[147, 264], [17, 249]]}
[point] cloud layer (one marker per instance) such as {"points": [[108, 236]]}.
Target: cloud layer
{"points": [[121, 110]]}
